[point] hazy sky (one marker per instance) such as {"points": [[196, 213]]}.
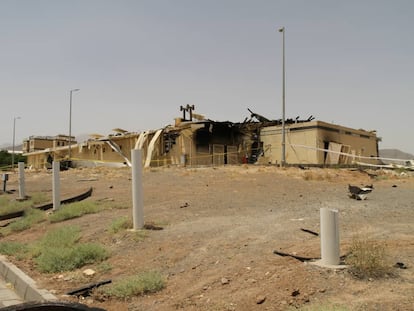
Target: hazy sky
{"points": [[135, 62]]}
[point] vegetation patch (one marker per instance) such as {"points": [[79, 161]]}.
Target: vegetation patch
{"points": [[121, 223], [368, 259], [16, 249], [8, 206], [143, 283], [60, 251], [30, 217], [73, 210]]}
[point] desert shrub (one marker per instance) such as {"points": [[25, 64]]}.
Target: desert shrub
{"points": [[59, 251], [39, 198], [66, 259], [61, 237], [119, 224], [10, 248], [3, 202], [104, 267], [145, 282], [10, 206], [73, 210], [368, 259], [30, 217]]}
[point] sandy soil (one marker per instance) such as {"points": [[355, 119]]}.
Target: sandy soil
{"points": [[220, 228]]}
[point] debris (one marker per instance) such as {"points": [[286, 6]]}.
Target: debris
{"points": [[394, 186], [300, 258], [77, 198], [295, 293], [358, 193], [86, 290], [151, 226], [310, 231], [259, 117], [185, 205], [400, 265]]}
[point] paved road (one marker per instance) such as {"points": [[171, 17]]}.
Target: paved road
{"points": [[8, 296]]}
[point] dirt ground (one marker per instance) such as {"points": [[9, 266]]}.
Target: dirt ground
{"points": [[220, 228]]}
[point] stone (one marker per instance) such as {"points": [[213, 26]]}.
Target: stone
{"points": [[225, 281], [260, 299], [89, 272]]}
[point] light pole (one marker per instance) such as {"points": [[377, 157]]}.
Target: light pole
{"points": [[14, 139], [70, 122], [282, 30]]}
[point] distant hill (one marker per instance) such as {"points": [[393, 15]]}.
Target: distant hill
{"points": [[10, 147], [394, 154]]}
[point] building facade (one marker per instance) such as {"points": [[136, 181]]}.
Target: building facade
{"points": [[206, 143]]}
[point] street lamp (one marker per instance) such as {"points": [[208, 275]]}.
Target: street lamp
{"points": [[70, 122], [282, 30], [14, 139]]}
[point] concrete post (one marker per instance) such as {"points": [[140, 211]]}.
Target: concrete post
{"points": [[56, 185], [22, 193], [137, 193], [329, 237]]}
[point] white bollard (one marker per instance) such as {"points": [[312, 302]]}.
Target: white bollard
{"points": [[137, 193], [56, 185], [22, 193], [329, 237]]}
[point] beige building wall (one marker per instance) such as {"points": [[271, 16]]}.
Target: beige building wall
{"points": [[305, 141]]}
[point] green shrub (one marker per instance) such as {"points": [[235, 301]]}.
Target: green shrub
{"points": [[121, 223], [3, 202], [368, 259], [146, 282], [30, 217], [66, 259], [61, 237], [39, 198], [19, 250], [10, 206], [104, 267], [73, 210], [58, 251]]}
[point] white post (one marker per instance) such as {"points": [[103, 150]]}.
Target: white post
{"points": [[56, 185], [329, 237], [22, 194], [137, 193]]}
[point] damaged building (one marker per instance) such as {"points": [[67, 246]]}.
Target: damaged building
{"points": [[196, 141]]}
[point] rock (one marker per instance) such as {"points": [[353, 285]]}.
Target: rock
{"points": [[89, 272], [295, 293], [260, 299], [224, 281], [400, 265]]}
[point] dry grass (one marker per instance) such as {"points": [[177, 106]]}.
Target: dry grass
{"points": [[368, 259]]}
